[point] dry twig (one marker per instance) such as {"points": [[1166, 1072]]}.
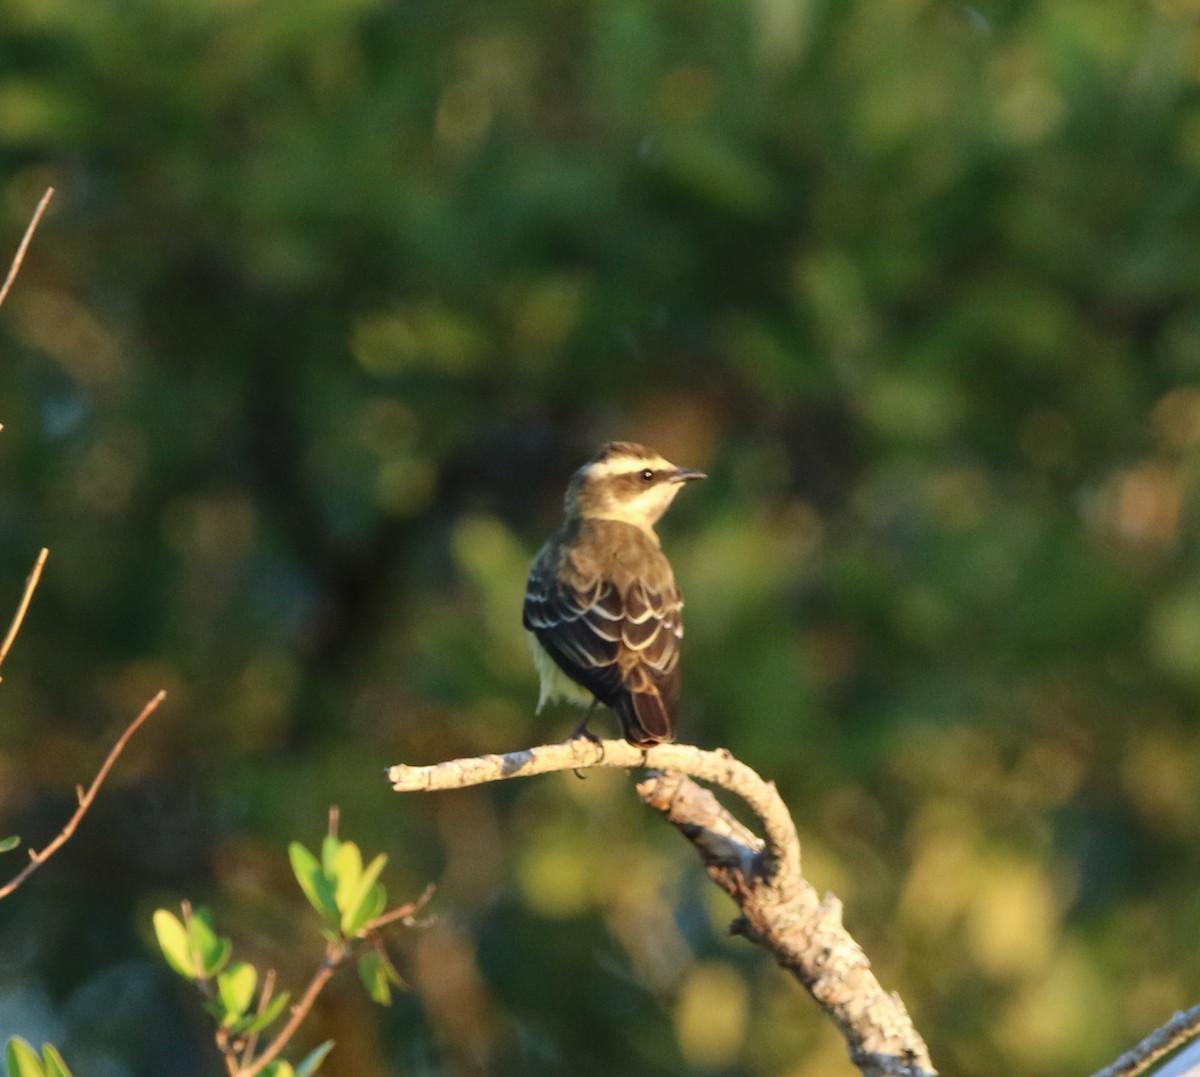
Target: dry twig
{"points": [[38, 858], [19, 257], [264, 1000], [31, 583], [780, 910], [335, 957], [13, 270]]}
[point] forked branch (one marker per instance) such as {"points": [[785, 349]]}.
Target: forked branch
{"points": [[780, 910], [337, 954]]}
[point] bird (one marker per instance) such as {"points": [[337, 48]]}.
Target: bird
{"points": [[603, 613]]}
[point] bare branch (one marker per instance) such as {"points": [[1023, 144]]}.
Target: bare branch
{"points": [[264, 1000], [37, 859], [13, 270], [1176, 1032], [19, 617], [336, 955], [19, 257], [403, 914], [780, 910]]}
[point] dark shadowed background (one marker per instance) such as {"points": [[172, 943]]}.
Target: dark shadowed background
{"points": [[334, 296]]}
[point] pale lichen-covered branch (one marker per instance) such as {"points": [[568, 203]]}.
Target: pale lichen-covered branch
{"points": [[1181, 1028], [780, 910]]}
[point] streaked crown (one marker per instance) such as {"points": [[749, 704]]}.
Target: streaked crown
{"points": [[628, 482]]}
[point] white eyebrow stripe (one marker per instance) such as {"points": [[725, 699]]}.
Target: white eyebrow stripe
{"points": [[625, 465]]}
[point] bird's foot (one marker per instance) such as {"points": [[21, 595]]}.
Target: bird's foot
{"points": [[582, 730], [585, 734]]}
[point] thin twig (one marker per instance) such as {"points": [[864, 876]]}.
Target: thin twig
{"points": [[264, 1000], [202, 980], [37, 859], [30, 585], [336, 955], [1176, 1032], [403, 913], [19, 257]]}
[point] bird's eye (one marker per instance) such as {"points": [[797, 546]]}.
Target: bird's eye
{"points": [[647, 475]]}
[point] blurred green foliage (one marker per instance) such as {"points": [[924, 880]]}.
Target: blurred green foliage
{"points": [[335, 295]]}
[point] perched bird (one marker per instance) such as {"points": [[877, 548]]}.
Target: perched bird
{"points": [[603, 613]]}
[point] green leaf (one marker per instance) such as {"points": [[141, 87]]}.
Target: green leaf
{"points": [[356, 899], [313, 881], [9, 844], [370, 907], [214, 952], [235, 988], [329, 850], [53, 1062], [257, 1022], [279, 1069], [347, 871], [22, 1059], [173, 941], [313, 1059], [374, 978], [378, 975], [215, 1010]]}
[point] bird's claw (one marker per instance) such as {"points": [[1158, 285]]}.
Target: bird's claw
{"points": [[583, 733]]}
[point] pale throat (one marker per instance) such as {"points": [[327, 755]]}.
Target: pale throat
{"points": [[627, 515], [643, 511]]}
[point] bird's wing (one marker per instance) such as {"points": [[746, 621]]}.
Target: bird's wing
{"points": [[579, 629], [648, 658]]}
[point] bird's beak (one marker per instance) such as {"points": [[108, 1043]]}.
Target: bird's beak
{"points": [[686, 474]]}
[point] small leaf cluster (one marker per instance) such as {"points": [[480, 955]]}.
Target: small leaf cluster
{"points": [[349, 898], [23, 1061], [193, 949]]}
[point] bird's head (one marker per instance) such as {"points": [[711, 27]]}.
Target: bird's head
{"points": [[626, 482]]}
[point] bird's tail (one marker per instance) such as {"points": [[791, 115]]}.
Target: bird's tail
{"points": [[646, 718]]}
